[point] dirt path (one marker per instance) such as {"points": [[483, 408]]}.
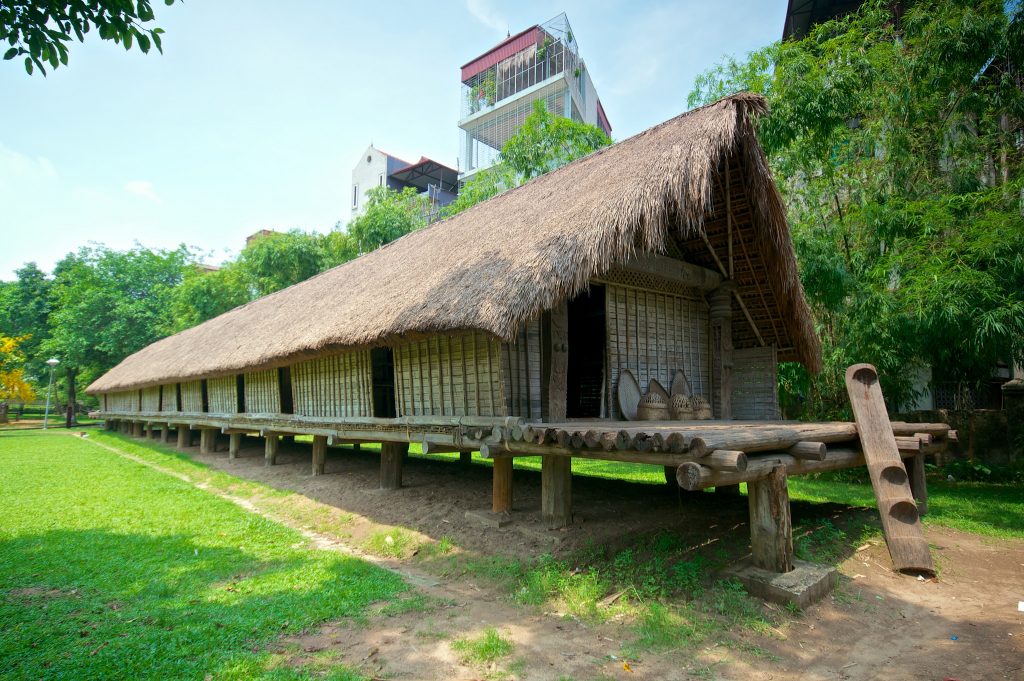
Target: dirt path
{"points": [[878, 625]]}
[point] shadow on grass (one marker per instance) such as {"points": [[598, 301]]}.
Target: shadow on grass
{"points": [[96, 604]]}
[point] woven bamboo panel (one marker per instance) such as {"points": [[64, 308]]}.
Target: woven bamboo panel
{"points": [[262, 392], [653, 334], [755, 395], [339, 385], [192, 397], [222, 395], [123, 402], [521, 366], [151, 399], [458, 375], [169, 401]]}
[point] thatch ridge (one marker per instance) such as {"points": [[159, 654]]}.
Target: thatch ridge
{"points": [[500, 263]]}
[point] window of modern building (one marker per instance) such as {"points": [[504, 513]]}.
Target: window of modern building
{"points": [[355, 196]]}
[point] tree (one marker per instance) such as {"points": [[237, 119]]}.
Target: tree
{"points": [[205, 294], [543, 143], [26, 314], [893, 143], [40, 30], [13, 385], [389, 215], [108, 304], [280, 259], [546, 141]]}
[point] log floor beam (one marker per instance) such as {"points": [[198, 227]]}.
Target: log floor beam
{"points": [[319, 454], [501, 492], [392, 455], [771, 526], [556, 491]]}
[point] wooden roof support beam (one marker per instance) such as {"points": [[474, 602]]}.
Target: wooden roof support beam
{"points": [[736, 293]]}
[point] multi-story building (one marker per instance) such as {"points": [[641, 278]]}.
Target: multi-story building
{"points": [[377, 168], [500, 86]]}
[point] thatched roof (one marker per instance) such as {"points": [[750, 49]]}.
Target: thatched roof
{"points": [[501, 263]]}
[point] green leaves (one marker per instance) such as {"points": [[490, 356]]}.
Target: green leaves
{"points": [[42, 29]]}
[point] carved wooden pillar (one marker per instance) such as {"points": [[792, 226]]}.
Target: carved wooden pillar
{"points": [[720, 301]]}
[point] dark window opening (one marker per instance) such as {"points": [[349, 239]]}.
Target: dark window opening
{"points": [[206, 396], [284, 384], [177, 397], [587, 335], [383, 383], [240, 392], [160, 399], [139, 401]]}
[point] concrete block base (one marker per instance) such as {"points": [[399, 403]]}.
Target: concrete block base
{"points": [[807, 583], [489, 518]]}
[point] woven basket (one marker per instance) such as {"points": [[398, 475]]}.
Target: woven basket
{"points": [[681, 408], [701, 408], [652, 407]]}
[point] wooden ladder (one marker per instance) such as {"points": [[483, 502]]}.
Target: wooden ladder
{"points": [[901, 521]]}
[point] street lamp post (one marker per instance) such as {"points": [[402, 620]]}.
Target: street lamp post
{"points": [[52, 363]]}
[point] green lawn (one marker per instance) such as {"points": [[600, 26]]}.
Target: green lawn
{"points": [[113, 570]]}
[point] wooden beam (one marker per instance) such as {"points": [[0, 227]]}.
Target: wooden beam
{"points": [[165, 432], [501, 489], [664, 267], [771, 527], [918, 482], [183, 434], [391, 458], [234, 444], [555, 362], [270, 447], [319, 454], [812, 451], [556, 491], [207, 440]]}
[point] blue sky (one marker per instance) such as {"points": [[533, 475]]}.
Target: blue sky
{"points": [[257, 110]]}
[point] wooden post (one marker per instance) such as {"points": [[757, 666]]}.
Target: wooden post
{"points": [[501, 488], [234, 444], [466, 458], [207, 438], [771, 528], [270, 449], [556, 491], [391, 456], [137, 429], [555, 362], [319, 454], [720, 301], [165, 433], [918, 484], [183, 436], [150, 433]]}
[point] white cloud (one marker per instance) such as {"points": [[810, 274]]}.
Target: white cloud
{"points": [[142, 188], [486, 15], [16, 167]]}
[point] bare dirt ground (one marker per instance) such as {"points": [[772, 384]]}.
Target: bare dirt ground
{"points": [[880, 625]]}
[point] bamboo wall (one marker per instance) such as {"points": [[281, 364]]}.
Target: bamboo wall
{"points": [[653, 333], [341, 385], [169, 401], [192, 397], [521, 368], [125, 401], [222, 395], [151, 398], [458, 375], [262, 392], [755, 394]]}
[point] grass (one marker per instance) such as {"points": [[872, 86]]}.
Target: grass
{"points": [[481, 651], [114, 570]]}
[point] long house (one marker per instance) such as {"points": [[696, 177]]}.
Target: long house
{"points": [[508, 328]]}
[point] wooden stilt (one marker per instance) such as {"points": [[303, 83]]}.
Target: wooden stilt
{"points": [[150, 432], [207, 437], [183, 436], [137, 429], [771, 528], [918, 484], [319, 454], [270, 449], [501, 489], [556, 491], [234, 444], [391, 456], [165, 433], [466, 458]]}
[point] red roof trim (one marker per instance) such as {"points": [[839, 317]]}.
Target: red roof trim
{"points": [[603, 119], [503, 50]]}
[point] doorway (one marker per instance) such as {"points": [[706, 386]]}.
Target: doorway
{"points": [[383, 361], [587, 339]]}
